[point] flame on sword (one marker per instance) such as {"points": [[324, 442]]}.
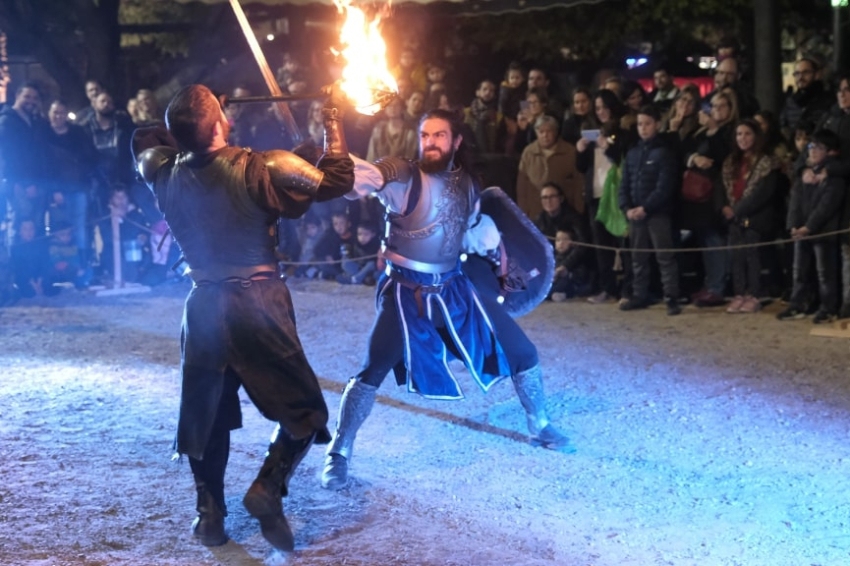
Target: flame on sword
{"points": [[365, 77]]}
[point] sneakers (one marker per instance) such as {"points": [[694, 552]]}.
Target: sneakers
{"points": [[750, 305], [791, 313], [633, 304], [822, 317], [673, 307], [602, 297], [736, 304]]}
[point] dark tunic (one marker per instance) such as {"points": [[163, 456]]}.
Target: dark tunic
{"points": [[220, 208]]}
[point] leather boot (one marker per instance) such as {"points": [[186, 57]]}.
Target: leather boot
{"points": [[208, 526], [356, 404], [529, 389], [263, 499]]}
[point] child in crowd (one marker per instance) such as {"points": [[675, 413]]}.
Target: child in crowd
{"points": [[133, 234], [436, 76], [65, 261], [572, 276], [362, 265], [512, 91], [28, 260], [815, 208], [334, 243], [310, 234]]}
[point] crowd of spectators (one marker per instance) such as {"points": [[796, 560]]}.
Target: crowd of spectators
{"points": [[607, 165]]}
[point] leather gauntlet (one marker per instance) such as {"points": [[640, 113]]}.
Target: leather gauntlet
{"points": [[335, 144]]}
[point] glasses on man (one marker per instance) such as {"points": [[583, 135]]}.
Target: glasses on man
{"points": [[798, 74]]}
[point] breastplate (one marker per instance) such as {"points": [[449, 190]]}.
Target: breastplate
{"points": [[429, 237]]}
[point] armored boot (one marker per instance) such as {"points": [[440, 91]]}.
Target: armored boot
{"points": [[208, 526], [263, 499], [356, 404], [529, 389]]}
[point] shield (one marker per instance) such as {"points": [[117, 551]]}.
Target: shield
{"points": [[529, 267]]}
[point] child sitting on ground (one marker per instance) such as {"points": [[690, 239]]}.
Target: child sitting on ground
{"points": [[362, 265], [572, 276]]}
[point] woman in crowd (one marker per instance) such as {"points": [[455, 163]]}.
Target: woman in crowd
{"points": [[682, 122], [580, 116], [548, 159], [711, 145], [595, 160], [750, 179], [536, 101]]}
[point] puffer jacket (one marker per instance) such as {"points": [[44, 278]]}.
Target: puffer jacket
{"points": [[649, 177]]}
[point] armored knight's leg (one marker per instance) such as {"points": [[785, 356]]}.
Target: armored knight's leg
{"points": [[356, 404], [208, 526], [529, 389], [263, 499]]}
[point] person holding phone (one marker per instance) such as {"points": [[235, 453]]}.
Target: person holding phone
{"points": [[580, 117], [534, 107]]}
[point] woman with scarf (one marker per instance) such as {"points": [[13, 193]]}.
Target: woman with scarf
{"points": [[750, 179]]}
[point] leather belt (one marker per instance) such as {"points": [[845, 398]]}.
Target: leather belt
{"points": [[418, 289], [234, 274]]}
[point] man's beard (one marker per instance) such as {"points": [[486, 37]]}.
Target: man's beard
{"points": [[435, 165]]}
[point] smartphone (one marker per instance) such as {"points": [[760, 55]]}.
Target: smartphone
{"points": [[523, 105], [590, 135], [706, 107]]}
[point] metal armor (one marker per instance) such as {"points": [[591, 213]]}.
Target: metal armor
{"points": [[428, 237]]}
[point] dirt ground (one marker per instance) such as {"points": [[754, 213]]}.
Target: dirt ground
{"points": [[703, 439]]}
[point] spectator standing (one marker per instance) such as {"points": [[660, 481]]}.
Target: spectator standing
{"points": [[815, 209], [73, 158], [727, 75], [709, 148], [483, 117], [110, 132], [837, 120], [83, 115], [665, 92], [809, 101], [751, 178], [548, 159], [392, 136], [597, 160], [22, 135], [647, 193], [580, 116]]}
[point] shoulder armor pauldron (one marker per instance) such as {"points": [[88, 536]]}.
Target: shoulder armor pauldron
{"points": [[288, 170], [151, 160], [394, 169]]}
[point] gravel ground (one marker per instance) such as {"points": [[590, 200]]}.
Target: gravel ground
{"points": [[703, 439]]}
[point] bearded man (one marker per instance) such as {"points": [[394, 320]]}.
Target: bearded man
{"points": [[428, 309], [220, 203]]}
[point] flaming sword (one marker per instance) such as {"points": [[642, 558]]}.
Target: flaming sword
{"points": [[271, 82]]}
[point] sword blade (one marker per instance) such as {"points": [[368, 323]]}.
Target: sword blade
{"points": [[268, 76]]}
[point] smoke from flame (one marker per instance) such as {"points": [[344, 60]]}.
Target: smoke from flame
{"points": [[365, 75]]}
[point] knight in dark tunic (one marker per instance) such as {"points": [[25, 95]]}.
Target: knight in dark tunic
{"points": [[429, 312], [221, 204]]}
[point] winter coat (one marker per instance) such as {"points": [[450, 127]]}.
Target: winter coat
{"points": [[805, 105], [536, 169], [649, 177], [816, 206], [702, 215], [756, 208]]}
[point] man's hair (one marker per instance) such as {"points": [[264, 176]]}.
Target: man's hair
{"points": [[547, 120], [454, 120], [191, 117], [816, 65], [540, 93], [651, 111], [828, 139], [28, 84]]}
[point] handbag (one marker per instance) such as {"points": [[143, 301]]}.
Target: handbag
{"points": [[696, 186]]}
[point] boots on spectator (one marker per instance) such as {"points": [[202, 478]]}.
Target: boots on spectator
{"points": [[529, 389], [263, 499], [208, 526], [356, 404]]}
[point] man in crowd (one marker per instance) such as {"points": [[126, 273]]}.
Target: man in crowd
{"points": [[665, 91], [809, 101], [83, 115], [728, 75], [428, 310], [238, 326]]}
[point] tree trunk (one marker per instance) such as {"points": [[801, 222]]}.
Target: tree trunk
{"points": [[768, 62]]}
